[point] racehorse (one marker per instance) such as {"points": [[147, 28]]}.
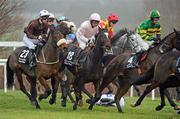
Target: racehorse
{"points": [[119, 45], [90, 69], [48, 64], [167, 63], [117, 68]]}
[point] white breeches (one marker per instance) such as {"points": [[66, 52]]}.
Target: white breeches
{"points": [[30, 43]]}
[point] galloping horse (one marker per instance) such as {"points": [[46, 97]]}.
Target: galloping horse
{"points": [[47, 65], [117, 68], [167, 63], [91, 68], [119, 46]]}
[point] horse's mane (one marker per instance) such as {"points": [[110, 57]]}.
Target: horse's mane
{"points": [[118, 35], [164, 39]]}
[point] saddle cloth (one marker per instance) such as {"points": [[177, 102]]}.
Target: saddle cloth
{"points": [[75, 55], [24, 56]]}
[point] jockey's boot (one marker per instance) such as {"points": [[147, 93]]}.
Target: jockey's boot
{"points": [[32, 59], [135, 60]]}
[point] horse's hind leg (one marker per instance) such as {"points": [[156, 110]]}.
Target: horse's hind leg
{"points": [[148, 89], [22, 87], [124, 85], [159, 107], [47, 88], [172, 103]]}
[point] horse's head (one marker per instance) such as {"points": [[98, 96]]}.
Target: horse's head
{"points": [[55, 37], [102, 39], [64, 28], [131, 38], [170, 41]]}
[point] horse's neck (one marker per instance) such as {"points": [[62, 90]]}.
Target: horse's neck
{"points": [[96, 55], [50, 52], [152, 57]]}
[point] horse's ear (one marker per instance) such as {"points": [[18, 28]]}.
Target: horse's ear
{"points": [[175, 31]]}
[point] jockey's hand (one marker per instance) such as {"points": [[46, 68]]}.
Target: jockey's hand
{"points": [[40, 37]]}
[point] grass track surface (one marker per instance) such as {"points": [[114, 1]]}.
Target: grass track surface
{"points": [[15, 105]]}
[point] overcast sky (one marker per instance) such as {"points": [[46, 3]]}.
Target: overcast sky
{"points": [[131, 12]]}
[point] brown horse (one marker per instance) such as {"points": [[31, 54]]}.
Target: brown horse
{"points": [[166, 63], [117, 68], [47, 66]]}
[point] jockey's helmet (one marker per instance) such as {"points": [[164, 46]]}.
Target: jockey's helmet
{"points": [[62, 18], [43, 13], [95, 17], [113, 17], [51, 16], [154, 14]]}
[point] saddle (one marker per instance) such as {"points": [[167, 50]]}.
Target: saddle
{"points": [[74, 55]]}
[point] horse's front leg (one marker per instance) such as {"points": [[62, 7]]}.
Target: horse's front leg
{"points": [[46, 86], [34, 93], [77, 90], [55, 81]]}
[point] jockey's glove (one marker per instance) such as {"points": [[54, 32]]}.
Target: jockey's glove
{"points": [[40, 37]]}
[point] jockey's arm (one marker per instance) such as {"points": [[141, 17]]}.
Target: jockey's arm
{"points": [[80, 35], [29, 31]]}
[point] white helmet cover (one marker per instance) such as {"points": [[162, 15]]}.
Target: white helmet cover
{"points": [[95, 16], [43, 13]]}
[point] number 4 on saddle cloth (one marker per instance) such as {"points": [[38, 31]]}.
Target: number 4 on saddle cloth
{"points": [[74, 55]]}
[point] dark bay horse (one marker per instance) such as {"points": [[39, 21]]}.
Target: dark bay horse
{"points": [[166, 63], [47, 66], [118, 45], [117, 68], [91, 69]]}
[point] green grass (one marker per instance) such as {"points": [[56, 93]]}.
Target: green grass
{"points": [[15, 105]]}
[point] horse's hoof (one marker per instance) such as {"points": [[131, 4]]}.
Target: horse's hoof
{"points": [[134, 105], [179, 112], [38, 107], [120, 111], [88, 101], [63, 104], [80, 103], [40, 98], [52, 101], [177, 107], [159, 107], [75, 107], [34, 103], [90, 107]]}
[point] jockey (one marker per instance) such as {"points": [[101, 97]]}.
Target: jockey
{"points": [[109, 24], [87, 30], [62, 44], [51, 21], [149, 31], [62, 18], [35, 32]]}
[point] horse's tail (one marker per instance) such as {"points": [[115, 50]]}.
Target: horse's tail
{"points": [[9, 74], [146, 77]]}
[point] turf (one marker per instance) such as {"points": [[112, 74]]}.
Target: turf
{"points": [[15, 105]]}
